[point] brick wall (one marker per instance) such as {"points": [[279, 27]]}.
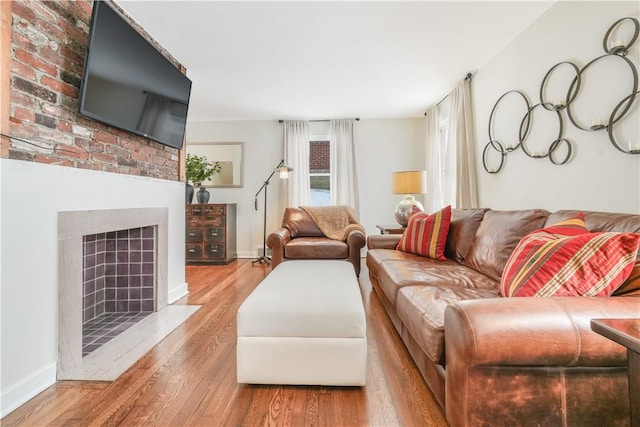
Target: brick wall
{"points": [[48, 44], [319, 160]]}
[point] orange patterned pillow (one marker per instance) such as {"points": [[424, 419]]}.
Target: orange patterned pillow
{"points": [[567, 260], [426, 234]]}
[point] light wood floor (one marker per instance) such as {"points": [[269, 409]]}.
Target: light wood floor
{"points": [[190, 378]]}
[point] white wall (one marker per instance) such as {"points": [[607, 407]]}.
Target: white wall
{"points": [[598, 177], [32, 194], [262, 153], [384, 146]]}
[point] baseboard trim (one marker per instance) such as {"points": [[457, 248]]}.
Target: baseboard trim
{"points": [[248, 254], [178, 292], [25, 390]]}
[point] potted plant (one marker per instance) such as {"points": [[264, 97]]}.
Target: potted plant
{"points": [[199, 169]]}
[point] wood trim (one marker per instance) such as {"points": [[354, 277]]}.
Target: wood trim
{"points": [[182, 163], [5, 74], [182, 154]]}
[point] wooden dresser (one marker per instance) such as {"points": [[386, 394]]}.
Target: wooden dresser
{"points": [[211, 233]]}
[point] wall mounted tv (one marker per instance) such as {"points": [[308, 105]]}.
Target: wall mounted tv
{"points": [[127, 83]]}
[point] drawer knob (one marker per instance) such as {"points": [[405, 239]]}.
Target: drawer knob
{"points": [[192, 251], [192, 234]]}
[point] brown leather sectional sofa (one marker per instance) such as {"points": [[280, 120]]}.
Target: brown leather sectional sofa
{"points": [[498, 361]]}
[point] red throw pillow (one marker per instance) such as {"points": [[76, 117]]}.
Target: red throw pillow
{"points": [[567, 260], [426, 234]]}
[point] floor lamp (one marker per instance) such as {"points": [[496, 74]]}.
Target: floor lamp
{"points": [[283, 170]]}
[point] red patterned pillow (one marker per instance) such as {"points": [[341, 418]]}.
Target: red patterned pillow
{"points": [[568, 227], [426, 234], [567, 260]]}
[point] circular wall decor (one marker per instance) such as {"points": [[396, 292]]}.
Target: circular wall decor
{"points": [[561, 149], [575, 86], [619, 48], [633, 148], [553, 106], [554, 147], [524, 131], [512, 146], [497, 146]]}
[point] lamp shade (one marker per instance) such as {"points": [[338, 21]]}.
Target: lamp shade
{"points": [[284, 172], [409, 182]]}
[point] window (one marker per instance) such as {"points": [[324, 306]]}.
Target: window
{"points": [[320, 171]]}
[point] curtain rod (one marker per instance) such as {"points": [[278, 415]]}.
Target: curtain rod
{"points": [[357, 119], [469, 77]]}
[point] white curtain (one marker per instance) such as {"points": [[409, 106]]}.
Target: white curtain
{"points": [[296, 156], [434, 186], [344, 182], [462, 146]]}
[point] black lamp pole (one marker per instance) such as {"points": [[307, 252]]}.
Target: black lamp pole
{"points": [[264, 258]]}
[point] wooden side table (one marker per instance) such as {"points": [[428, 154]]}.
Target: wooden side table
{"points": [[391, 229], [627, 333]]}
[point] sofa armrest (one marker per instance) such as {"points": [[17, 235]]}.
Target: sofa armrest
{"points": [[537, 359], [383, 241], [276, 242], [355, 241], [535, 331]]}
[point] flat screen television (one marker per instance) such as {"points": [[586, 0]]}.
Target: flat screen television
{"points": [[127, 83]]}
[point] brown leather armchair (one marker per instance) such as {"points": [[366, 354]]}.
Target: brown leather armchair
{"points": [[300, 238]]}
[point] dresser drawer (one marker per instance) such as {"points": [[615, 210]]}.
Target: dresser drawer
{"points": [[214, 234], [193, 251], [194, 221], [194, 210], [211, 211], [217, 221], [193, 235], [214, 251]]}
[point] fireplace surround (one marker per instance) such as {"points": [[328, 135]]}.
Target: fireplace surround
{"points": [[73, 227]]}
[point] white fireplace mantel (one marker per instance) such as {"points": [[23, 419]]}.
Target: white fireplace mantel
{"points": [[72, 226]]}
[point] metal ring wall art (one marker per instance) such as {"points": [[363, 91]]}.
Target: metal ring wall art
{"points": [[614, 50], [497, 145]]}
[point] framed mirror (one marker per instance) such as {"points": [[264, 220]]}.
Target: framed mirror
{"points": [[229, 154]]}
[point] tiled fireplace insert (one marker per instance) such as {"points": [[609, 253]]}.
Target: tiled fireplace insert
{"points": [[118, 283]]}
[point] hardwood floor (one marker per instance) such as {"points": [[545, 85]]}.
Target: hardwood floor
{"points": [[189, 378]]}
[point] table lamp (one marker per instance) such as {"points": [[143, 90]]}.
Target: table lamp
{"points": [[408, 183]]}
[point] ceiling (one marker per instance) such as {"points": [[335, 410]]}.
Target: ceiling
{"points": [[317, 60]]}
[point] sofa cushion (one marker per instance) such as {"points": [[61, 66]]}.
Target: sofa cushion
{"points": [[463, 227], [375, 258], [567, 260], [426, 234], [497, 237], [414, 270], [316, 247], [631, 286], [421, 309]]}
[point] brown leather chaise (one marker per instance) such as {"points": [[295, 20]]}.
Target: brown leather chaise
{"points": [[300, 238]]}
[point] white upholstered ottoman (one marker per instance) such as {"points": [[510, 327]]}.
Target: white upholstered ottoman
{"points": [[304, 325]]}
